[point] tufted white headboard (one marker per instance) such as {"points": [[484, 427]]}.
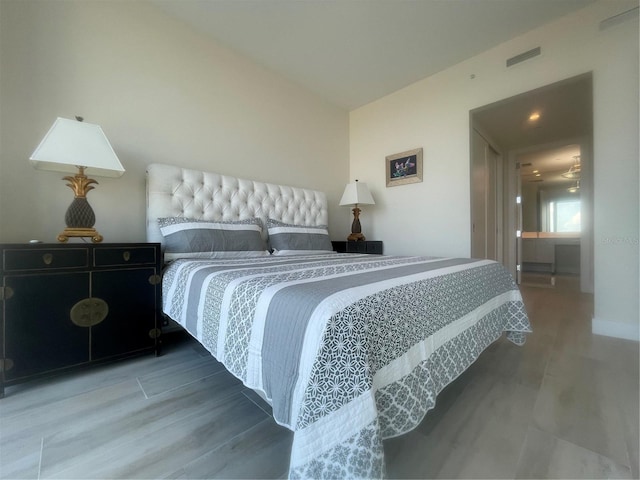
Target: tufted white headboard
{"points": [[179, 192]]}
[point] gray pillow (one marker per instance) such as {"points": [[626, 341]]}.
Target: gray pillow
{"points": [[285, 238], [189, 238]]}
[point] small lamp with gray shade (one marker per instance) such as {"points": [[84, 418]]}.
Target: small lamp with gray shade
{"points": [[356, 193], [75, 146]]}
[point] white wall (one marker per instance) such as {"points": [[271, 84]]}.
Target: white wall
{"points": [[162, 93], [433, 217]]}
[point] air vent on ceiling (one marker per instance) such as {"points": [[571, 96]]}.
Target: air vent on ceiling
{"points": [[619, 18], [526, 164], [534, 52]]}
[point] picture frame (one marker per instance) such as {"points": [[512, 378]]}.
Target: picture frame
{"points": [[403, 168]]}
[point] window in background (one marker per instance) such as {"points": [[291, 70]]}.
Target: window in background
{"points": [[564, 216]]}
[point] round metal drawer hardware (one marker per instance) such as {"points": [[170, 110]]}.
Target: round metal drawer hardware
{"points": [[126, 255], [155, 333], [155, 279], [89, 312], [47, 258], [6, 293]]}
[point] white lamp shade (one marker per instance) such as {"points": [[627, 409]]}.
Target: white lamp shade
{"points": [[357, 193], [69, 144]]}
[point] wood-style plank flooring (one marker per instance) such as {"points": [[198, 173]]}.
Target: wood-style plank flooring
{"points": [[565, 405]]}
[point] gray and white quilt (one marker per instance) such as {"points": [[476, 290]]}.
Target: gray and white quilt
{"points": [[349, 349]]}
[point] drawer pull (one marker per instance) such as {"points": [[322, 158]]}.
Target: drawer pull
{"points": [[155, 279], [47, 258], [89, 312], [126, 255], [6, 293], [155, 333]]}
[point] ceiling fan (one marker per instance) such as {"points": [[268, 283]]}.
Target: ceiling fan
{"points": [[574, 170]]}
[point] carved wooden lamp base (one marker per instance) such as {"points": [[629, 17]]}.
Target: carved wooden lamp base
{"points": [[80, 217], [356, 229]]}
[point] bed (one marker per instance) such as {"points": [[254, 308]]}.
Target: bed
{"points": [[349, 349]]}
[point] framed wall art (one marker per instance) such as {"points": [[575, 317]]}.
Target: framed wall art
{"points": [[403, 168]]}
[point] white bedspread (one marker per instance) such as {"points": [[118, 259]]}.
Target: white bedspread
{"points": [[349, 349]]}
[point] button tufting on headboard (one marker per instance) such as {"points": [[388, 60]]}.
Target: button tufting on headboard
{"points": [[178, 192]]}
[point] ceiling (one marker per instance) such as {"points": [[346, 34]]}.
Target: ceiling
{"points": [[352, 52]]}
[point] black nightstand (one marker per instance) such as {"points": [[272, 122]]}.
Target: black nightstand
{"points": [[367, 246], [66, 305]]}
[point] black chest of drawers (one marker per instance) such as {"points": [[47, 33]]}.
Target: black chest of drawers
{"points": [[67, 305]]}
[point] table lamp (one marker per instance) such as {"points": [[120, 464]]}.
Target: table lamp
{"points": [[75, 146], [356, 193]]}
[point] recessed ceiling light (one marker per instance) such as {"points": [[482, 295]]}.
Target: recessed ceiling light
{"points": [[534, 116], [536, 171]]}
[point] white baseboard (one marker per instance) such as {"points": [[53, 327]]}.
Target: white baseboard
{"points": [[628, 331]]}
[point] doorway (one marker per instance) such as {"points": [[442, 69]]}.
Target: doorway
{"points": [[540, 193]]}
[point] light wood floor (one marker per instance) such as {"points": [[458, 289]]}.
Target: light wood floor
{"points": [[565, 405]]}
